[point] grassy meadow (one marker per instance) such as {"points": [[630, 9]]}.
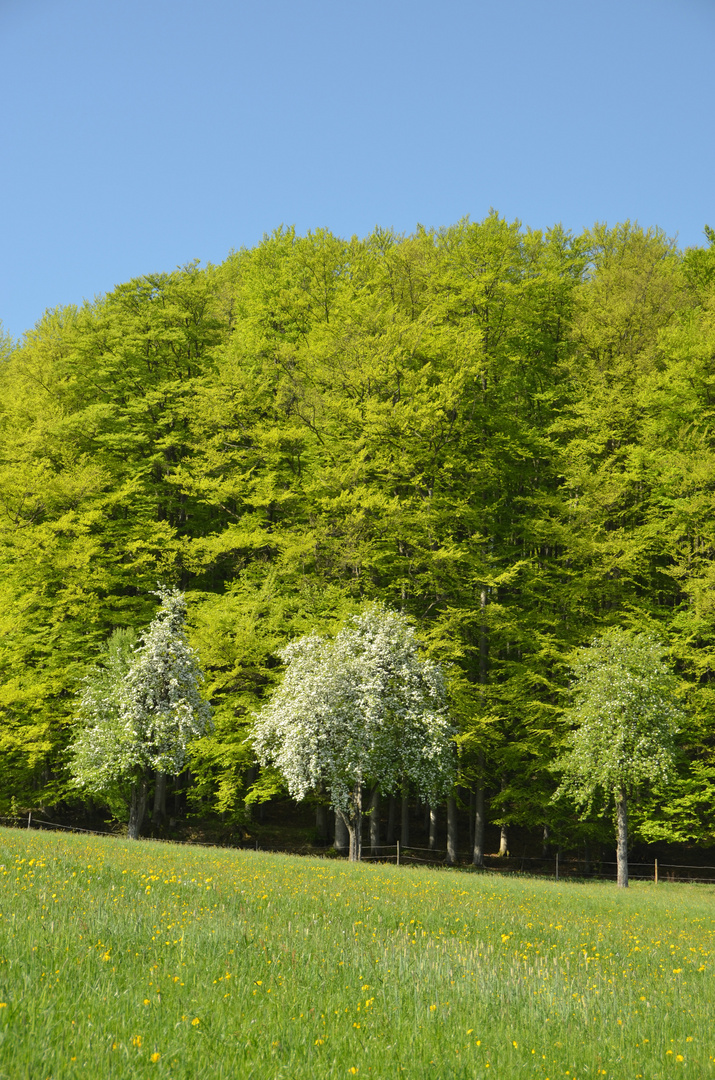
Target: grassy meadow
{"points": [[123, 959]]}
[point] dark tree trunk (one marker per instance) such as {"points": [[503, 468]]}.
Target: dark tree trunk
{"points": [[248, 780], [391, 819], [405, 823], [545, 843], [158, 813], [137, 809], [452, 831], [178, 785], [479, 818], [622, 837], [321, 823], [374, 821]]}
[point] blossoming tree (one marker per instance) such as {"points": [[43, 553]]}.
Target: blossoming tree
{"points": [[625, 714], [139, 711], [361, 708]]}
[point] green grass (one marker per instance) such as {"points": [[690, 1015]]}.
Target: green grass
{"points": [[147, 959]]}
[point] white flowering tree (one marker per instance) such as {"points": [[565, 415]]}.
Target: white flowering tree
{"points": [[625, 716], [361, 708], [139, 711]]}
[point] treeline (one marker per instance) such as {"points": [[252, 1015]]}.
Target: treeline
{"points": [[506, 434]]}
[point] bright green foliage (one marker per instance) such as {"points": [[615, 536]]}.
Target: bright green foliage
{"points": [[505, 434]]}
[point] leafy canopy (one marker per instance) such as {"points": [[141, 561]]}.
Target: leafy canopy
{"points": [[625, 714]]}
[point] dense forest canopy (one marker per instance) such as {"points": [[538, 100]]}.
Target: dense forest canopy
{"points": [[506, 434]]}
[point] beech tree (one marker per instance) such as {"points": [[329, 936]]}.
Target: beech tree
{"points": [[361, 708], [140, 711], [625, 714]]}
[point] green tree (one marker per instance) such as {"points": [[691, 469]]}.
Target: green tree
{"points": [[625, 716]]}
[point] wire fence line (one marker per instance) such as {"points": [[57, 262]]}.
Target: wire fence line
{"points": [[556, 867]]}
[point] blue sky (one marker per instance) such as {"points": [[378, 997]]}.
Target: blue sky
{"points": [[137, 135]]}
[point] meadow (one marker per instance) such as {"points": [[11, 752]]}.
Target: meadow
{"points": [[142, 959]]}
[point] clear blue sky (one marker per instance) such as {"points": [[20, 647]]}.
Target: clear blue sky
{"points": [[137, 135]]}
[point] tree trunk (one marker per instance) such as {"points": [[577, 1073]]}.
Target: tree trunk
{"points": [[432, 828], [452, 831], [622, 845], [248, 780], [355, 825], [405, 823], [545, 843], [503, 835], [479, 820], [342, 836], [137, 809], [178, 785], [391, 818], [159, 811], [321, 823], [374, 821]]}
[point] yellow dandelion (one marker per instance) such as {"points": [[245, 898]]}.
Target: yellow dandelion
{"points": [[155, 1056], [195, 1021]]}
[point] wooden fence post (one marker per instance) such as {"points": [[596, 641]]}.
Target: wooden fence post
{"points": [[398, 852], [656, 872]]}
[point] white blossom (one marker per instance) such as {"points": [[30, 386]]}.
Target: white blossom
{"points": [[361, 708], [140, 711]]}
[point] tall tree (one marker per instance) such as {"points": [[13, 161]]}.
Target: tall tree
{"points": [[140, 717], [361, 709], [625, 716]]}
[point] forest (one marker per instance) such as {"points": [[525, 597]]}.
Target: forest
{"points": [[507, 435]]}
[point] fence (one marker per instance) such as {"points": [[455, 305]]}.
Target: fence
{"points": [[557, 867]]}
